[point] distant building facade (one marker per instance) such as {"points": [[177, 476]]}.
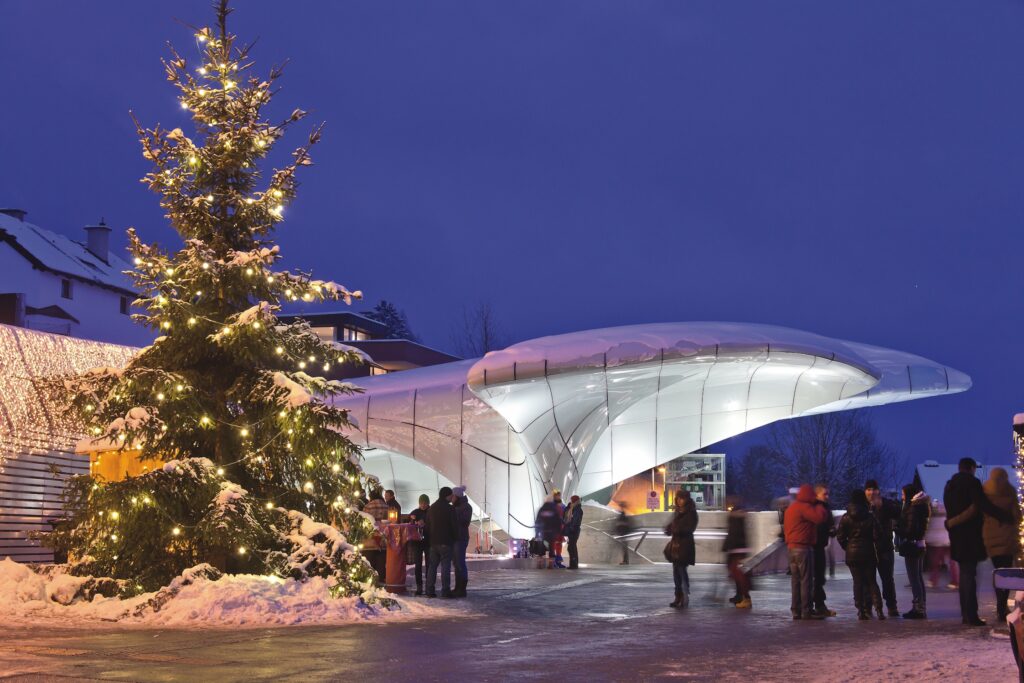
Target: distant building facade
{"points": [[367, 335], [51, 283]]}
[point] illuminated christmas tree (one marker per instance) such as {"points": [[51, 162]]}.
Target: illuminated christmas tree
{"points": [[252, 474]]}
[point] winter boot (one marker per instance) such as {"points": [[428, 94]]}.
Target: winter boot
{"points": [[894, 612], [881, 613], [864, 615], [744, 603], [678, 602], [460, 588], [686, 600]]}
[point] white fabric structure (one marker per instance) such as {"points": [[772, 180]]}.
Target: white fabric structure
{"points": [[581, 411]]}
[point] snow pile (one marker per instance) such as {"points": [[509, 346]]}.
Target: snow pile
{"points": [[231, 601], [297, 394]]}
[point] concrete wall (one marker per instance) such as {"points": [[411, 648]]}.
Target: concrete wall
{"points": [[599, 546]]}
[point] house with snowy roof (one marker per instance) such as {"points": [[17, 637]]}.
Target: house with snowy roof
{"points": [[52, 283]]}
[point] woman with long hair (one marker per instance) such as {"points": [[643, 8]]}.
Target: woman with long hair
{"points": [[1002, 539], [681, 551]]}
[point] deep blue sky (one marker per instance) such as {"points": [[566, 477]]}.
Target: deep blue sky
{"points": [[852, 169]]}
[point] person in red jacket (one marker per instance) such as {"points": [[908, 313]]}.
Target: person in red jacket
{"points": [[800, 526]]}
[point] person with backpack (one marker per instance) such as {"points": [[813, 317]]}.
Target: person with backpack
{"points": [[572, 523], [549, 525], [857, 534], [910, 532], [681, 550]]}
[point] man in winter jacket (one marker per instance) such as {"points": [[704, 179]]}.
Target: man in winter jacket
{"points": [[800, 527], [463, 518], [826, 530], [442, 534], [572, 523], [887, 513], [966, 506]]}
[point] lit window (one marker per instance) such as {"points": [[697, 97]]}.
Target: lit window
{"points": [[374, 370], [325, 333], [124, 305], [65, 288]]}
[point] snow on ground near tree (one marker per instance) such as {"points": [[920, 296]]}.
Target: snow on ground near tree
{"points": [[243, 600]]}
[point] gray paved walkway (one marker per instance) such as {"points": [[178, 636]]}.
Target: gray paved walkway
{"points": [[608, 623]]}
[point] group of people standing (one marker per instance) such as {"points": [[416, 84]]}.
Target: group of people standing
{"points": [[444, 539], [557, 522], [981, 522]]}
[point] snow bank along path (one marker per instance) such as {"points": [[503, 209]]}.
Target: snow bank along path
{"points": [[231, 601]]}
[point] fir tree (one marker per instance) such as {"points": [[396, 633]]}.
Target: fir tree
{"points": [[227, 397], [394, 318]]}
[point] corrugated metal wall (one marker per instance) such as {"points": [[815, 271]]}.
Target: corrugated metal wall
{"points": [[36, 438], [30, 496]]}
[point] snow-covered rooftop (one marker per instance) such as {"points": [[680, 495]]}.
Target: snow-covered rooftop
{"points": [[61, 254]]}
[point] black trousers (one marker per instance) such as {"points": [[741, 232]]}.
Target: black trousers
{"points": [[969, 589], [886, 566], [863, 572], [574, 551], [419, 550], [819, 577], [1001, 562]]}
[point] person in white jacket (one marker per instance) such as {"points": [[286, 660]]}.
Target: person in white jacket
{"points": [[937, 541]]}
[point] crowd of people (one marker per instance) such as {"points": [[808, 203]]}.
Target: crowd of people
{"points": [[442, 544], [556, 523], [973, 522], [980, 522], [976, 522]]}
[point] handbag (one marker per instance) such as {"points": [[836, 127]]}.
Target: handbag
{"points": [[672, 550]]}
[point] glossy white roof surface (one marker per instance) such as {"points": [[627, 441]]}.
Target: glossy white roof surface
{"points": [[581, 411]]}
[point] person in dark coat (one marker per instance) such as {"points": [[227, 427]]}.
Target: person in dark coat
{"points": [[887, 513], [572, 524], [800, 527], [826, 530], [910, 532], [549, 525], [420, 549], [966, 507], [857, 533], [1002, 539], [682, 551], [736, 549], [442, 533], [463, 518], [623, 526]]}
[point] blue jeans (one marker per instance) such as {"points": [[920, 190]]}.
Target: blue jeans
{"points": [[914, 560], [681, 577], [440, 555], [461, 570]]}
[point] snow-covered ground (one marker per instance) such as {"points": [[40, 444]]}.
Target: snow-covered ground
{"points": [[231, 601]]}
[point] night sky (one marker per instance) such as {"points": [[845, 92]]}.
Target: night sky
{"points": [[852, 170]]}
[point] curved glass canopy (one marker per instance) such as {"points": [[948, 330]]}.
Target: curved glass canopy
{"points": [[581, 411]]}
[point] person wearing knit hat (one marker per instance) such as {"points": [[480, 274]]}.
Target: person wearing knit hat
{"points": [[572, 522], [463, 518], [416, 551]]}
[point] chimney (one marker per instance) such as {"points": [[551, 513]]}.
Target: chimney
{"points": [[15, 213], [98, 240]]}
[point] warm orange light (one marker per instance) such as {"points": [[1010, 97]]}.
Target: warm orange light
{"points": [[392, 515]]}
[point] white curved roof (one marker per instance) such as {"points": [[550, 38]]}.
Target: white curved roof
{"points": [[581, 411]]}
